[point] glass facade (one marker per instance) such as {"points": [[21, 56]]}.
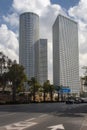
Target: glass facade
{"points": [[43, 76], [32, 49], [65, 53], [28, 37]]}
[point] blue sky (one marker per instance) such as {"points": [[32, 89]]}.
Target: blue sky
{"points": [[65, 3], [5, 5], [9, 24]]}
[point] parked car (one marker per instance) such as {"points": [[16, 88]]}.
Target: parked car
{"points": [[77, 100], [83, 100], [70, 101]]}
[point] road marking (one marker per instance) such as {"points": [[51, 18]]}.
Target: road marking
{"points": [[43, 115], [84, 124], [20, 125], [55, 127], [31, 119], [7, 114]]}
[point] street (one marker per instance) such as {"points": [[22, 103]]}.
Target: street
{"points": [[43, 116]]}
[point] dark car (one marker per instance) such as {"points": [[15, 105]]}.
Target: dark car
{"points": [[70, 101], [78, 100]]}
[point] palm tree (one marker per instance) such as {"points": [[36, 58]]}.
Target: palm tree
{"points": [[51, 90], [58, 88], [46, 88], [34, 87]]}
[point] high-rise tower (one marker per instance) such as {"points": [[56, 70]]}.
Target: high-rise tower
{"points": [[28, 37], [65, 53], [43, 64], [32, 49]]}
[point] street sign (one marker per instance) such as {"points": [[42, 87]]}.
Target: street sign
{"points": [[65, 90]]}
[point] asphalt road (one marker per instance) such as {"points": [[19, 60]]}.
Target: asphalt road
{"points": [[43, 116]]}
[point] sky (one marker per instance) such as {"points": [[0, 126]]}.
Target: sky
{"points": [[65, 3], [47, 11]]}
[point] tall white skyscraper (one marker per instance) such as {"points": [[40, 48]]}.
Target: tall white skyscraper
{"points": [[32, 49], [43, 64], [65, 53], [28, 37]]}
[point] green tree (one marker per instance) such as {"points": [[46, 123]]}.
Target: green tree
{"points": [[46, 88], [2, 62], [51, 91], [17, 76], [3, 70], [58, 88], [33, 87]]}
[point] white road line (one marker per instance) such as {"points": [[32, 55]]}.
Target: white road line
{"points": [[31, 119], [84, 123], [7, 114], [43, 115], [20, 125], [56, 127]]}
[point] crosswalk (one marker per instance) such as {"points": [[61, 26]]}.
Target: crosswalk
{"points": [[20, 125]]}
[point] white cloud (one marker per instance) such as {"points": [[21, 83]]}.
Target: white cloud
{"points": [[35, 6], [47, 19], [12, 19], [8, 42], [79, 13]]}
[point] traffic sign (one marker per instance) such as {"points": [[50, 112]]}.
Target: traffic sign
{"points": [[65, 90]]}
